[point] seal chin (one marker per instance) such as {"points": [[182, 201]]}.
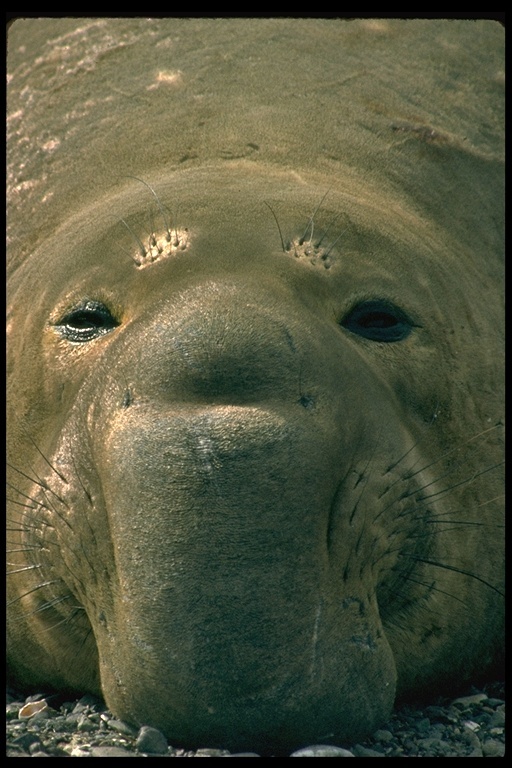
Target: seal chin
{"points": [[265, 702]]}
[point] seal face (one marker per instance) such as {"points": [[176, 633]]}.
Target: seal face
{"points": [[255, 402]]}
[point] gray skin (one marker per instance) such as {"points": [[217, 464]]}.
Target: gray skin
{"points": [[255, 382]]}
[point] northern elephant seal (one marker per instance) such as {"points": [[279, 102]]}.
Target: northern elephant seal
{"points": [[255, 368]]}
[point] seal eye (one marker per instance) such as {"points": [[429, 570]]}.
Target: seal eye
{"points": [[378, 321], [86, 322]]}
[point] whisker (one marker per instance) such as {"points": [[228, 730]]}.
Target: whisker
{"points": [[311, 220], [37, 481], [328, 253], [166, 224], [454, 568], [433, 588], [462, 482], [142, 248], [45, 459], [453, 450], [327, 229], [34, 589], [277, 223]]}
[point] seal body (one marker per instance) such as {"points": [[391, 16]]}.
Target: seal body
{"points": [[255, 368]]}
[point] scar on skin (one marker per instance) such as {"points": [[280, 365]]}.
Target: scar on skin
{"points": [[166, 78]]}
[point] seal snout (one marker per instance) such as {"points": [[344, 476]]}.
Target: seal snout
{"points": [[220, 346], [229, 523]]}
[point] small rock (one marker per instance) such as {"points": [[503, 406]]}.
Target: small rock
{"points": [[35, 697], [35, 747], [244, 754], [493, 748], [12, 709], [428, 743], [498, 719], [435, 712], [110, 752], [210, 752], [423, 725], [121, 727], [322, 750], [26, 740], [85, 702], [152, 741], [80, 752], [84, 725], [467, 701], [360, 751], [495, 702], [474, 742], [382, 735]]}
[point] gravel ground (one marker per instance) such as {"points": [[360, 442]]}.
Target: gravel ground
{"points": [[469, 726]]}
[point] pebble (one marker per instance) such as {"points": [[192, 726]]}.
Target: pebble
{"points": [[85, 724], [384, 736], [498, 718], [121, 727], [493, 748], [152, 741], [360, 751], [322, 750], [470, 726], [80, 752], [110, 752], [467, 701]]}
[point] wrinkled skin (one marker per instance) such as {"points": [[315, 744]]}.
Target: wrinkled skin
{"points": [[255, 408]]}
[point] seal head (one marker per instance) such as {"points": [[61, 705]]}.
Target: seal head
{"points": [[255, 402]]}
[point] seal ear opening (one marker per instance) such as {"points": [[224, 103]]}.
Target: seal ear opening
{"points": [[378, 320]]}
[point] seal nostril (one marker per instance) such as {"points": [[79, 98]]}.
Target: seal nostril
{"points": [[127, 399], [307, 402]]}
